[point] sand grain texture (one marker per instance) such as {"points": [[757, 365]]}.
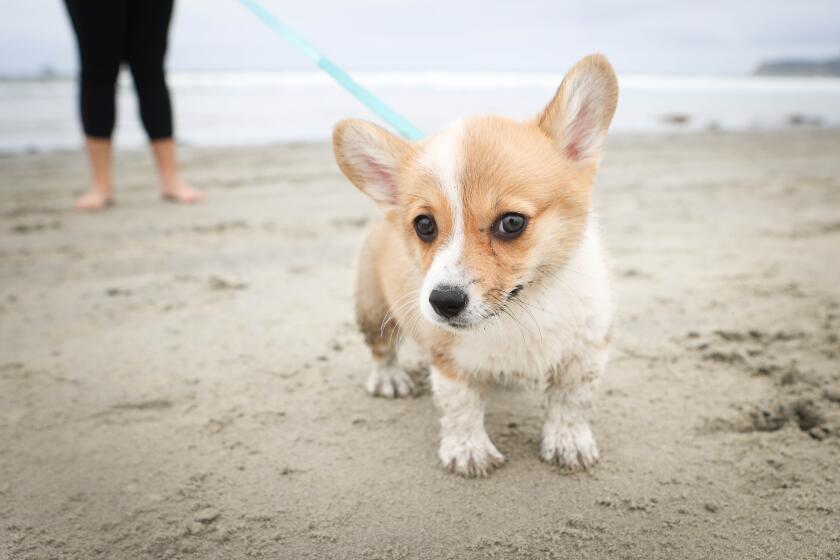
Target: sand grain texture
{"points": [[188, 382]]}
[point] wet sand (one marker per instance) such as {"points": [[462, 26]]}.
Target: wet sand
{"points": [[187, 382]]}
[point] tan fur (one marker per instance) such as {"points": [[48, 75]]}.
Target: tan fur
{"points": [[522, 174], [388, 280]]}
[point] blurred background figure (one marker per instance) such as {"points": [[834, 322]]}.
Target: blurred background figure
{"points": [[108, 34]]}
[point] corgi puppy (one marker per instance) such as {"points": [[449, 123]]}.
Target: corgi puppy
{"points": [[488, 256]]}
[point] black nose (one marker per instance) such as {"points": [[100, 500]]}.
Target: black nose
{"points": [[448, 301]]}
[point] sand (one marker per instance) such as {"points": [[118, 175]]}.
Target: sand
{"points": [[188, 382]]}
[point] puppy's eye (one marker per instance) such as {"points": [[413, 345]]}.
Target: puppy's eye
{"points": [[425, 227], [510, 226]]}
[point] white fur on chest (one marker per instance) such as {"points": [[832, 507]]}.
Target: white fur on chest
{"points": [[554, 321]]}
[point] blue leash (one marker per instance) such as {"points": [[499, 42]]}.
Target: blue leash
{"points": [[343, 78]]}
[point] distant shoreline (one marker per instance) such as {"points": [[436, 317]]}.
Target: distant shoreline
{"points": [[800, 68], [650, 135], [252, 108]]}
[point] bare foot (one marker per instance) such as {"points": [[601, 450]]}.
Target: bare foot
{"points": [[93, 201], [182, 193]]}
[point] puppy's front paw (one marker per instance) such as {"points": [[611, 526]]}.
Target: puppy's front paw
{"points": [[472, 456], [572, 446], [389, 381]]}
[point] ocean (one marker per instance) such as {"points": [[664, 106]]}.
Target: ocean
{"points": [[240, 108]]}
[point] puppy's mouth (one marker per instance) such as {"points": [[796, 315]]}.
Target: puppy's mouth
{"points": [[460, 325], [456, 324]]}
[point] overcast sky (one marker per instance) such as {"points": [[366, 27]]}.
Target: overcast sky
{"points": [[714, 36]]}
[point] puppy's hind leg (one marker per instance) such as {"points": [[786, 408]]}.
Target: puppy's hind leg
{"points": [[382, 335]]}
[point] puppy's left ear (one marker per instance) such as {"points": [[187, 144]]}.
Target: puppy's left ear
{"points": [[370, 157], [578, 117]]}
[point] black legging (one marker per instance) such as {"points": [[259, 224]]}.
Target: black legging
{"points": [[110, 32]]}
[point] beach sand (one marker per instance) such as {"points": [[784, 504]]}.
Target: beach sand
{"points": [[187, 382]]}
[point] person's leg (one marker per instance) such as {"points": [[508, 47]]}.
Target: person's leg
{"points": [[146, 51], [172, 187], [99, 31], [101, 193]]}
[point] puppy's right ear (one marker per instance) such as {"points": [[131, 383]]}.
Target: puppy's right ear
{"points": [[578, 117], [370, 157]]}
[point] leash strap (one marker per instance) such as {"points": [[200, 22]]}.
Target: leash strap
{"points": [[343, 78]]}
